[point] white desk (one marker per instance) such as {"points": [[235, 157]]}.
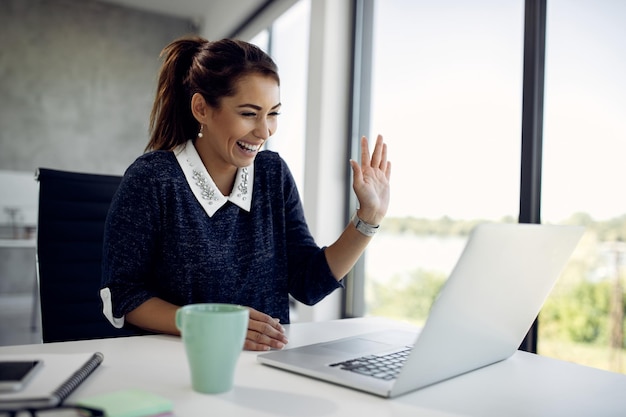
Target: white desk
{"points": [[524, 385]]}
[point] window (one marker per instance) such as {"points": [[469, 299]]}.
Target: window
{"points": [[287, 42], [446, 94], [583, 179]]}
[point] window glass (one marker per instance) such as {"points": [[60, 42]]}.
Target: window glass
{"points": [[287, 41], [446, 95], [289, 48], [583, 179], [262, 40]]}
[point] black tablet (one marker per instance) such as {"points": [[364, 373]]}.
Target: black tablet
{"points": [[15, 374]]}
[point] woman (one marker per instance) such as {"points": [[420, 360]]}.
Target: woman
{"points": [[213, 218]]}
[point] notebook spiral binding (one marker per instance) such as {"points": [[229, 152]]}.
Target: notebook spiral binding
{"points": [[63, 391]]}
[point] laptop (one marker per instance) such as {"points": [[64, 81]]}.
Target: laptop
{"points": [[480, 316]]}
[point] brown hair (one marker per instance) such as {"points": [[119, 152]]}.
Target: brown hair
{"points": [[194, 65]]}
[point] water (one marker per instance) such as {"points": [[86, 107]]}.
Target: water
{"points": [[391, 254]]}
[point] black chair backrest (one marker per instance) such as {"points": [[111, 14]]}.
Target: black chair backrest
{"points": [[72, 212]]}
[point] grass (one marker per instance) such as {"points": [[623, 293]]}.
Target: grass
{"points": [[583, 354], [593, 355]]}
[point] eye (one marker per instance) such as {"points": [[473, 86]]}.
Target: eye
{"points": [[248, 114], [274, 114]]}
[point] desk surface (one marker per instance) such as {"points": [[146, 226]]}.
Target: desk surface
{"points": [[18, 243], [523, 385]]}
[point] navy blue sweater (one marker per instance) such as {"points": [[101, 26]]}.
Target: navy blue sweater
{"points": [[159, 242]]}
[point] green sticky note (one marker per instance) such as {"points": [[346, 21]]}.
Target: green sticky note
{"points": [[129, 403]]}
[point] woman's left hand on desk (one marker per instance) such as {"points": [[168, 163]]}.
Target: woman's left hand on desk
{"points": [[264, 332]]}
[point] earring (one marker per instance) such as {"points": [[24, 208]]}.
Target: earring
{"points": [[200, 132]]}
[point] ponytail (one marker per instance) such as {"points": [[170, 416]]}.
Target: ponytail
{"points": [[169, 118], [194, 65]]}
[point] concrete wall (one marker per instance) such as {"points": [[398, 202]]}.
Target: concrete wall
{"points": [[77, 80]]}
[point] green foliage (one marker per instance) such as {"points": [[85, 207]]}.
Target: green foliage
{"points": [[580, 315], [407, 297], [445, 226], [612, 230], [578, 309], [605, 231]]}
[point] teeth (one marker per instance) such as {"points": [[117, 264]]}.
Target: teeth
{"points": [[252, 148]]}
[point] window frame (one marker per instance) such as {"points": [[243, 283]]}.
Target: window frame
{"points": [[531, 134], [358, 113]]}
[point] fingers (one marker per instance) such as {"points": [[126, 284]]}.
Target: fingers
{"points": [[356, 171], [370, 165], [365, 151], [378, 158], [381, 150], [264, 332], [380, 153], [371, 181]]}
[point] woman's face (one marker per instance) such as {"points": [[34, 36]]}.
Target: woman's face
{"points": [[238, 128]]}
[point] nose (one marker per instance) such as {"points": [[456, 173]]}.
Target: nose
{"points": [[263, 129]]}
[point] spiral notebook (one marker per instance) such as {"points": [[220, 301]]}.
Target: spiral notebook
{"points": [[60, 375]]}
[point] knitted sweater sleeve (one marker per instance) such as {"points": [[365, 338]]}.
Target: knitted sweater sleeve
{"points": [[310, 277], [130, 236]]}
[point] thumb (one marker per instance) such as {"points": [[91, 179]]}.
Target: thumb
{"points": [[357, 175]]}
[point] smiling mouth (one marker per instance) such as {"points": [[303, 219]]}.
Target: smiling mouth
{"points": [[248, 147]]}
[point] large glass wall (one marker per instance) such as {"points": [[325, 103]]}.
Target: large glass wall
{"points": [[446, 95], [583, 178], [287, 42]]}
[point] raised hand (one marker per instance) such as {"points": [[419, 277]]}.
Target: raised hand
{"points": [[371, 181]]}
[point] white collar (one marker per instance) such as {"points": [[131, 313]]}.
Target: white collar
{"points": [[203, 186]]}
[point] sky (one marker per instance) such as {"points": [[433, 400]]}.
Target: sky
{"points": [[447, 96]]}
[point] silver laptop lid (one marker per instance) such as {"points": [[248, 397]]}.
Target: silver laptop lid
{"points": [[480, 317], [490, 300]]}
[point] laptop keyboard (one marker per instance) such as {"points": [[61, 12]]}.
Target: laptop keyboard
{"points": [[384, 367]]}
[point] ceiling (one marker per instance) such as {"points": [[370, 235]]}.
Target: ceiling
{"points": [[231, 13]]}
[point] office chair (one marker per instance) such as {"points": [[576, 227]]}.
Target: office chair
{"points": [[72, 211]]}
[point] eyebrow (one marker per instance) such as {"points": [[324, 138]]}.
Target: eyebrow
{"points": [[258, 108]]}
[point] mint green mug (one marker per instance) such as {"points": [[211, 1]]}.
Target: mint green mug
{"points": [[213, 335]]}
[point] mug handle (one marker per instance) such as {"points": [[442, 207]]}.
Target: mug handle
{"points": [[179, 319]]}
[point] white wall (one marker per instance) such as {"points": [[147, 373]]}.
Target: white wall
{"points": [[78, 81], [327, 133]]}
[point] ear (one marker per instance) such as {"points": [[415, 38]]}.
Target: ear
{"points": [[199, 108]]}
